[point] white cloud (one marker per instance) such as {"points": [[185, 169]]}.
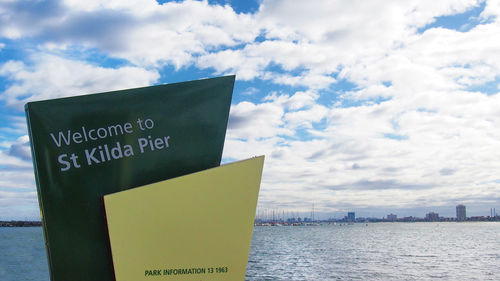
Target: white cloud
{"points": [[51, 77], [457, 135], [296, 101], [19, 206], [16, 155], [13, 161], [492, 10], [16, 126], [278, 115], [16, 169], [317, 37], [17, 178], [321, 38], [252, 121], [137, 6], [305, 118], [142, 32], [245, 67], [410, 132]]}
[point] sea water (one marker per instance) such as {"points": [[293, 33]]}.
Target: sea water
{"points": [[378, 251], [374, 251], [22, 254]]}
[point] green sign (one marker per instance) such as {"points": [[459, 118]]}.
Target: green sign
{"points": [[88, 146]]}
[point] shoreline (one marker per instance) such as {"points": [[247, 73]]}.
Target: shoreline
{"points": [[20, 223]]}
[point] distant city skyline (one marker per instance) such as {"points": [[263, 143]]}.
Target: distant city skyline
{"points": [[448, 212]]}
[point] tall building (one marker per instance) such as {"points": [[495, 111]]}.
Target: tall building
{"points": [[461, 216], [351, 216], [392, 217], [432, 216]]}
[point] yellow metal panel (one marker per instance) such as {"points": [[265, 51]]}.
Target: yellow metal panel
{"points": [[194, 227]]}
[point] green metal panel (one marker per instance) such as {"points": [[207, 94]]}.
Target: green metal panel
{"points": [[87, 146]]}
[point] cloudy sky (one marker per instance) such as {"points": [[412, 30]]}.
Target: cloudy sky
{"points": [[370, 106]]}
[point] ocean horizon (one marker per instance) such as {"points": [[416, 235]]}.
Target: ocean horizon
{"points": [[360, 251]]}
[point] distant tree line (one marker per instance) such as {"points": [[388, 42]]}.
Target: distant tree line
{"points": [[20, 223]]}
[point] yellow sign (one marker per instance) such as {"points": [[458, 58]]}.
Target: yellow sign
{"points": [[194, 227]]}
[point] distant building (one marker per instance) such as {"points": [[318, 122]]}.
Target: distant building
{"points": [[432, 216], [392, 217], [351, 216], [409, 219], [461, 215]]}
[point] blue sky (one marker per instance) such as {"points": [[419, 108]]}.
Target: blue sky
{"points": [[393, 111]]}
